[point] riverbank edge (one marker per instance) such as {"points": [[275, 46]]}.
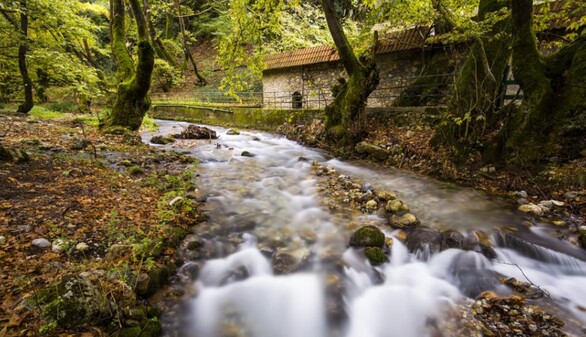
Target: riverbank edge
{"points": [[97, 283]]}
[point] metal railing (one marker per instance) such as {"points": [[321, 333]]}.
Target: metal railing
{"points": [[319, 97]]}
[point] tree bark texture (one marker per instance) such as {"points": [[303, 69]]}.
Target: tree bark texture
{"points": [[132, 101], [345, 116], [27, 105], [551, 122]]}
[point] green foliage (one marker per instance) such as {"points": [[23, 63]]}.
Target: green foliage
{"points": [[149, 124], [42, 112], [165, 76], [62, 107], [62, 44]]}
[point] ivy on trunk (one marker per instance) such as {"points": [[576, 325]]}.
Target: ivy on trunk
{"points": [[132, 101]]}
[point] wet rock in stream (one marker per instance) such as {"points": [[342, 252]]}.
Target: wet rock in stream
{"points": [[286, 261], [367, 236]]}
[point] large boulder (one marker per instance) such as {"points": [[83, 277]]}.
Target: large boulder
{"points": [[197, 132], [367, 236]]}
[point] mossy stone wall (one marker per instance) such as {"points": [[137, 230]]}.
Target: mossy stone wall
{"points": [[247, 118]]}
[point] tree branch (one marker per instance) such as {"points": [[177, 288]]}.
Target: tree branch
{"points": [[345, 51]]}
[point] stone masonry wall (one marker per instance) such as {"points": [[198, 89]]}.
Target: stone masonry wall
{"points": [[313, 82]]}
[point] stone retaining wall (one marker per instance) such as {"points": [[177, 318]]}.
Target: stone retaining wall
{"points": [[270, 119]]}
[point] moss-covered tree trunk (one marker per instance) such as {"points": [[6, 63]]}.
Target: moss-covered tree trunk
{"points": [[132, 101], [551, 123], [27, 105], [345, 116], [472, 112]]}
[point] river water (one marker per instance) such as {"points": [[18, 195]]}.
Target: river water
{"points": [[268, 207]]}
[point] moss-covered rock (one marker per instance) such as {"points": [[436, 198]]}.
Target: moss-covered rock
{"points": [[403, 221], [233, 132], [151, 328], [367, 236], [375, 255], [147, 284], [386, 196], [394, 206], [375, 151], [162, 140]]}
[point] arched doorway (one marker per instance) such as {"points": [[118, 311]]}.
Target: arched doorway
{"points": [[297, 100]]}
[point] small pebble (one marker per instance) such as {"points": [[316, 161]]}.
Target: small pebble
{"points": [[41, 243], [82, 247]]}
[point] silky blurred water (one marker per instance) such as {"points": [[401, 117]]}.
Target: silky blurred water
{"points": [[271, 199]]}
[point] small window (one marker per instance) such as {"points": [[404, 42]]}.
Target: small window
{"points": [[297, 100]]}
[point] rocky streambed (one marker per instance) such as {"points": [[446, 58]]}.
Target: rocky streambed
{"points": [[297, 244]]}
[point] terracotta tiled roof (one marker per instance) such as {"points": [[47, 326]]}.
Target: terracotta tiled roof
{"points": [[301, 57], [413, 38], [404, 40]]}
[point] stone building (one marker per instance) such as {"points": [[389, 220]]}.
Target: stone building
{"points": [[303, 78]]}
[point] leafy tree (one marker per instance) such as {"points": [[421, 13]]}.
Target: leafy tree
{"points": [[55, 57], [21, 27], [132, 101]]}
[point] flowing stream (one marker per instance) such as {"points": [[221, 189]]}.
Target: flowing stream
{"points": [[266, 214]]}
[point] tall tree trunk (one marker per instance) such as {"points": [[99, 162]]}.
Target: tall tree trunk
{"points": [[27, 105], [478, 84], [345, 116], [132, 101], [551, 122], [187, 54]]}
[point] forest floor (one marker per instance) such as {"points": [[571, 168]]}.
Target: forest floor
{"points": [[103, 210]]}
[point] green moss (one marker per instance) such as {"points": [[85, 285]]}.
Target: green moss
{"points": [[41, 112], [134, 170], [253, 118], [375, 255], [367, 236], [149, 124]]}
